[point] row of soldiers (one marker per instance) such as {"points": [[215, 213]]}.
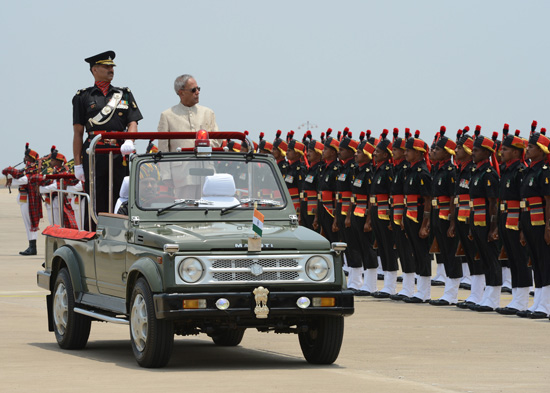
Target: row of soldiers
{"points": [[483, 203], [34, 188]]}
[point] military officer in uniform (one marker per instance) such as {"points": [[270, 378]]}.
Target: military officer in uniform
{"points": [[295, 172], [103, 107], [280, 148], [460, 226], [418, 197], [511, 175], [443, 190], [346, 154], [361, 243], [326, 196], [402, 245], [535, 222], [484, 185], [378, 219], [310, 184]]}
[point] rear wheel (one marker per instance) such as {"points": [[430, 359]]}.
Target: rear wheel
{"points": [[228, 337], [321, 343], [71, 329], [152, 338]]}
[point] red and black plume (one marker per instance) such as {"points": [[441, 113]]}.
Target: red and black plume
{"points": [[417, 134], [505, 130], [278, 134], [442, 131], [477, 131], [407, 133], [517, 132], [543, 131], [329, 131], [395, 133], [261, 136], [362, 136], [533, 126]]}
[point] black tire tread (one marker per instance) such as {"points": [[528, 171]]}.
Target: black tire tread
{"points": [[325, 348]]}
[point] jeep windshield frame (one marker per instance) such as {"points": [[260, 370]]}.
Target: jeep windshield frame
{"points": [[221, 181]]}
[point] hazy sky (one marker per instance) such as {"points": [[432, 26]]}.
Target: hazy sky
{"points": [[265, 66]]}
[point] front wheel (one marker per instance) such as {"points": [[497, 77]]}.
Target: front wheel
{"points": [[152, 338], [71, 329], [322, 341]]}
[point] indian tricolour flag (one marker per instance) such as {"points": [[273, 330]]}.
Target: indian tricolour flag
{"points": [[258, 222]]}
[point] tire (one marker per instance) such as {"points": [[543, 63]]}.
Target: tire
{"points": [[71, 329], [228, 337], [152, 338], [321, 343]]}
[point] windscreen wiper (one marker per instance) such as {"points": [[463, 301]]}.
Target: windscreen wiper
{"points": [[244, 201], [178, 202]]}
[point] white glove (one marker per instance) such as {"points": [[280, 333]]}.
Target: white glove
{"points": [[127, 148], [79, 172]]}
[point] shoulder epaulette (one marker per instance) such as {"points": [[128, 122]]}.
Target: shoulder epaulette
{"points": [[545, 167], [387, 167], [419, 169]]}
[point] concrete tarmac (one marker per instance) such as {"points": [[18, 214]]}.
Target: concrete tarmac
{"points": [[388, 347]]}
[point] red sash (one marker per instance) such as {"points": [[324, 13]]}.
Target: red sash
{"points": [[398, 207], [383, 204], [444, 203], [412, 207], [346, 202], [480, 212], [311, 199], [295, 195], [512, 214], [327, 200], [360, 205], [535, 207], [463, 207]]}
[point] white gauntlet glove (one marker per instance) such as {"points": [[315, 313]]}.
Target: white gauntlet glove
{"points": [[127, 148], [79, 172]]}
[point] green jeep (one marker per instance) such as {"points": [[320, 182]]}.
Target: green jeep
{"points": [[186, 258]]}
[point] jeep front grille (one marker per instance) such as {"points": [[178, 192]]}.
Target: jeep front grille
{"points": [[255, 269]]}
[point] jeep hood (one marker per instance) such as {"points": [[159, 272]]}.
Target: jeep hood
{"points": [[224, 236]]}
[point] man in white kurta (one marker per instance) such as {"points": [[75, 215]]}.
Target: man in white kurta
{"points": [[186, 116]]}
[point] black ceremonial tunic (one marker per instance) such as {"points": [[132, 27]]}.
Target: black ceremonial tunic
{"points": [[417, 187], [87, 103], [308, 198], [327, 199], [535, 186], [484, 185], [361, 242], [508, 228], [380, 215], [443, 189]]}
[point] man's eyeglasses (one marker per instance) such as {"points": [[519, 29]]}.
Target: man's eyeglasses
{"points": [[193, 90]]}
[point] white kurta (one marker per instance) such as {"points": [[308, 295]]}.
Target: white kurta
{"points": [[184, 119]]}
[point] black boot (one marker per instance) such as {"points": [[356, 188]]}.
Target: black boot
{"points": [[31, 250]]}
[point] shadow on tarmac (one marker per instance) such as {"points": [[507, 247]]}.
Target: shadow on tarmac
{"points": [[190, 355]]}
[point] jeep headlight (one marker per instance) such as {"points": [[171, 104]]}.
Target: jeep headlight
{"points": [[190, 270], [317, 268]]}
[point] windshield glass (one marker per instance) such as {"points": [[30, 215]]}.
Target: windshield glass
{"points": [[207, 183]]}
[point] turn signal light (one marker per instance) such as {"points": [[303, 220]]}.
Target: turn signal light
{"points": [[194, 303], [323, 302]]}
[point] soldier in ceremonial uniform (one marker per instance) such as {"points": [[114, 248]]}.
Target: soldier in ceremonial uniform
{"points": [[103, 107], [460, 226], [484, 185], [346, 154], [295, 172], [324, 217], [443, 191], [308, 199], [379, 215], [417, 190], [511, 175], [57, 163], [535, 222], [360, 242], [264, 146], [28, 198], [403, 246], [280, 148]]}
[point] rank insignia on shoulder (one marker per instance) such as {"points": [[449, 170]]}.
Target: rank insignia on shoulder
{"points": [[387, 167], [419, 169], [127, 89], [545, 167], [77, 92], [368, 169], [335, 168], [134, 105], [488, 170], [450, 168]]}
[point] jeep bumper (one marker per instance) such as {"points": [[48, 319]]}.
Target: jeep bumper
{"points": [[242, 304]]}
